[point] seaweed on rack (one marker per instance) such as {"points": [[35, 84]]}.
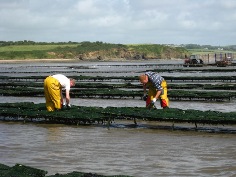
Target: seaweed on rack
{"points": [[123, 94], [22, 171], [122, 78], [19, 170], [23, 85], [30, 111], [92, 115], [79, 115], [22, 91], [4, 170], [171, 115]]}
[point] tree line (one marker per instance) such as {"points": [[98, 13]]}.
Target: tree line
{"points": [[97, 43], [28, 42], [209, 47]]}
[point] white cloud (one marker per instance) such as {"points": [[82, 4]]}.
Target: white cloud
{"points": [[120, 21], [87, 7]]}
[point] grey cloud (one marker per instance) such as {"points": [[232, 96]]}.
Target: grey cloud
{"points": [[120, 21]]}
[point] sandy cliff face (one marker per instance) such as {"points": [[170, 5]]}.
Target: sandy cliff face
{"points": [[129, 55]]}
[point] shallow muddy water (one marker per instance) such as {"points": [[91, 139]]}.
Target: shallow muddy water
{"points": [[136, 152], [119, 150]]}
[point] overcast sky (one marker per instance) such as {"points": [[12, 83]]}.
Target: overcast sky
{"points": [[204, 22]]}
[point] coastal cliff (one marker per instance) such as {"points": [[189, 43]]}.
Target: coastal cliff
{"points": [[90, 51]]}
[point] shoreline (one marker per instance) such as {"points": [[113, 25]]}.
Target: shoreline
{"points": [[76, 60]]}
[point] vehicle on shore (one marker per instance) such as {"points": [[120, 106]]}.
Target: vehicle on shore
{"points": [[193, 61]]}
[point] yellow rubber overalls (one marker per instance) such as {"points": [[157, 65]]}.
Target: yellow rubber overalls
{"points": [[52, 92], [164, 101]]}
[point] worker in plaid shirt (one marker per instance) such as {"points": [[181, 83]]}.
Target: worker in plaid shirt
{"points": [[157, 88]]}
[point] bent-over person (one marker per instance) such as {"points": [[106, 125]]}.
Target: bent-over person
{"points": [[157, 88], [53, 86]]}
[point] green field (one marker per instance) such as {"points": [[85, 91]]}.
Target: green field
{"points": [[14, 48], [99, 50], [205, 51], [88, 50]]}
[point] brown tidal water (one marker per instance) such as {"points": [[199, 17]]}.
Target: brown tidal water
{"points": [[117, 151]]}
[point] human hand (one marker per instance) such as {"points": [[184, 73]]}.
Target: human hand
{"points": [[64, 105], [145, 97], [154, 100], [68, 106]]}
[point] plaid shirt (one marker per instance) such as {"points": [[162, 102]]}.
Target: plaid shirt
{"points": [[155, 79]]}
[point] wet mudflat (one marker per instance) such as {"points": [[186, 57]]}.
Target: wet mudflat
{"points": [[118, 150]]}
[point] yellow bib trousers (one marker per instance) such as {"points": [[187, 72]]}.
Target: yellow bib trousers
{"points": [[52, 92], [164, 101]]}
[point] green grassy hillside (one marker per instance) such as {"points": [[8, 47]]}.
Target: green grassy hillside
{"points": [[89, 50]]}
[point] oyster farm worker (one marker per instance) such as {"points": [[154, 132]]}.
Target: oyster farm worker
{"points": [[157, 88], [53, 86]]}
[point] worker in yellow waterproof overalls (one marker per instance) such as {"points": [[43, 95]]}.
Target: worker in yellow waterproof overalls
{"points": [[53, 86], [157, 88]]}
